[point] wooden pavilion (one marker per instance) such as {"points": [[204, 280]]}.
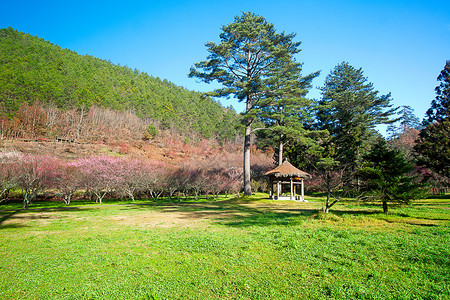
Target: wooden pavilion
{"points": [[286, 174]]}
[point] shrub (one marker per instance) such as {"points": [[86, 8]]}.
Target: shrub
{"points": [[150, 132]]}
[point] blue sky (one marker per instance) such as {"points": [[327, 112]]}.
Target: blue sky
{"points": [[401, 45]]}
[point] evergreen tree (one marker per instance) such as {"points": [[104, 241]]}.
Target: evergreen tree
{"points": [[289, 110], [407, 120], [349, 109], [385, 172], [440, 106], [248, 61], [433, 147]]}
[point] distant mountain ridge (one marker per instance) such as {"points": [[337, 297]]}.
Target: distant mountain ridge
{"points": [[34, 69]]}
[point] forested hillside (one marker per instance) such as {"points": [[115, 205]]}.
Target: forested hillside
{"points": [[34, 70]]}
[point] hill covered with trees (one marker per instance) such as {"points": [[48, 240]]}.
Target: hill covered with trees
{"points": [[34, 70]]}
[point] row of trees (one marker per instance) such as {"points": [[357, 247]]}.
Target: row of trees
{"points": [[351, 157], [334, 136], [93, 124], [106, 176]]}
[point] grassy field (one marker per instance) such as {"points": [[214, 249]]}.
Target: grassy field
{"points": [[229, 249]]}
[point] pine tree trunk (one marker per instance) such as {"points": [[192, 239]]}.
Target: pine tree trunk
{"points": [[280, 153], [385, 207], [247, 187], [327, 204]]}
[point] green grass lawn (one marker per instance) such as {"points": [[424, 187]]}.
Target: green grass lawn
{"points": [[229, 249]]}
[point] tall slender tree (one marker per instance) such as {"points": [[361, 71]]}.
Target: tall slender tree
{"points": [[349, 109], [433, 146], [286, 115], [440, 106], [249, 61]]}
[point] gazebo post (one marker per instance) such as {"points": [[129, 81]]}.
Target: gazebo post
{"points": [[271, 188], [303, 192], [292, 188], [278, 189]]}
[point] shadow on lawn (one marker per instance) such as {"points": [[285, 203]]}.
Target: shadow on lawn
{"points": [[6, 217], [22, 215], [233, 214], [250, 213], [247, 213]]}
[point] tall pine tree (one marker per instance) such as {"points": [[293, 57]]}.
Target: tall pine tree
{"points": [[440, 106], [349, 109], [289, 109], [249, 59], [433, 146]]}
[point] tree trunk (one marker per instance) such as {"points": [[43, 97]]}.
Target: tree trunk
{"points": [[385, 207], [26, 201], [80, 123], [327, 203], [5, 192], [29, 196], [131, 194], [280, 153], [247, 187]]}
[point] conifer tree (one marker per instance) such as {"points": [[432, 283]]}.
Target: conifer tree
{"points": [[440, 106], [249, 61], [385, 172], [289, 110], [433, 146], [349, 109]]}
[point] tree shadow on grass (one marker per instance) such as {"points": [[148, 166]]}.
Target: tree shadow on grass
{"points": [[247, 213], [405, 215], [232, 214], [22, 215], [259, 218], [6, 217]]}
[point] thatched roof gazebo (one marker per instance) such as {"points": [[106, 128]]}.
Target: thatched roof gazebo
{"points": [[286, 174]]}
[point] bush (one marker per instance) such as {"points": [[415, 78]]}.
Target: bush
{"points": [[151, 132]]}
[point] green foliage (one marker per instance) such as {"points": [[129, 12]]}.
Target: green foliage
{"points": [[386, 175], [350, 109], [150, 132], [247, 60], [31, 68], [433, 147], [288, 112], [440, 106]]}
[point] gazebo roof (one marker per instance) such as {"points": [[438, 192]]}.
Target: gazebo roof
{"points": [[287, 170]]}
